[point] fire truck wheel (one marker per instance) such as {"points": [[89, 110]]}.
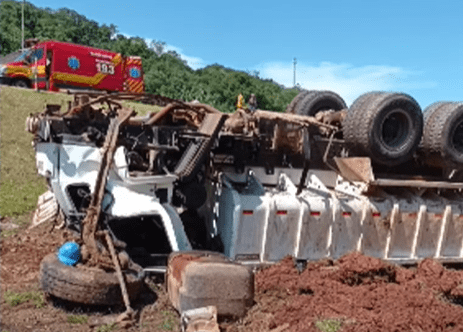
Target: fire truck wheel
{"points": [[85, 285], [443, 135], [389, 127], [291, 107], [316, 101], [21, 83]]}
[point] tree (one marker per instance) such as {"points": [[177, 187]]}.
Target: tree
{"points": [[166, 73]]}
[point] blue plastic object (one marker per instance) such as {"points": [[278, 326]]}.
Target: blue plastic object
{"points": [[69, 253]]}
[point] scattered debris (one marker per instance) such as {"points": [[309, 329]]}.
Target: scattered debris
{"points": [[200, 320], [47, 209]]}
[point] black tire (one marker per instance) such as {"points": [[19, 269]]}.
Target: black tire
{"points": [[385, 126], [430, 110], [85, 285], [428, 115], [443, 135], [21, 83], [354, 117], [316, 101], [292, 105]]}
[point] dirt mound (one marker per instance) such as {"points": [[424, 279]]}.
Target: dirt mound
{"points": [[359, 293]]}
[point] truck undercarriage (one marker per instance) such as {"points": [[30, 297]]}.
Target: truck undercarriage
{"points": [[316, 182]]}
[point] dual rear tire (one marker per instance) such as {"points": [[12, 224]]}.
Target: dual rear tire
{"points": [[387, 127], [442, 143], [390, 127], [311, 102]]}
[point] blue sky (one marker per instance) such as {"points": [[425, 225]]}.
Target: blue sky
{"points": [[348, 46]]}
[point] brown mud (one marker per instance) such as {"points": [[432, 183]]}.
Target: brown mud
{"points": [[361, 293]]}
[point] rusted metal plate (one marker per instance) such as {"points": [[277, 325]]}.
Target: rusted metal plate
{"points": [[196, 280], [355, 169]]}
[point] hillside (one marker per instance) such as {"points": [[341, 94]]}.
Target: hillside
{"points": [[165, 72]]}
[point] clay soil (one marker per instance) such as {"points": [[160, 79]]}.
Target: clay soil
{"points": [[354, 293]]}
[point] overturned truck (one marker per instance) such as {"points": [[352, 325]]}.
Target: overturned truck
{"points": [[319, 181]]}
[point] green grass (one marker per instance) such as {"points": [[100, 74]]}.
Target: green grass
{"points": [[329, 325], [170, 321], [15, 298], [20, 186], [140, 108], [21, 221], [77, 319], [106, 327], [9, 232]]}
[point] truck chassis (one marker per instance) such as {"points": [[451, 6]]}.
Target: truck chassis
{"points": [[317, 182]]}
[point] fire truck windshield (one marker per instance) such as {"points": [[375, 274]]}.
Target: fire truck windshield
{"points": [[33, 55], [22, 56]]}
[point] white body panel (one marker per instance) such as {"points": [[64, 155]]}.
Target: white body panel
{"points": [[73, 164], [263, 224]]}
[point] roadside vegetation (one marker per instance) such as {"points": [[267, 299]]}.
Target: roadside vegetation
{"points": [[20, 186], [16, 298], [19, 183], [165, 72]]}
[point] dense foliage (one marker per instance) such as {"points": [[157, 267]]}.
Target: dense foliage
{"points": [[165, 72]]}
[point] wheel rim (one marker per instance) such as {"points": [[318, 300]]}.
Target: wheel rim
{"points": [[395, 128], [457, 137]]}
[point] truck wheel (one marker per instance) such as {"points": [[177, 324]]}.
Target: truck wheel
{"points": [[430, 110], [291, 107], [85, 285], [428, 115], [385, 126], [443, 135], [354, 116], [316, 101], [21, 83]]}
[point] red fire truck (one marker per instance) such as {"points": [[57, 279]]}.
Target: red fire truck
{"points": [[54, 65]]}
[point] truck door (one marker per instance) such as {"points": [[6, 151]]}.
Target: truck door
{"points": [[37, 61], [48, 70], [134, 77]]}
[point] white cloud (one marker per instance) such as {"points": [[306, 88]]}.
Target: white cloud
{"points": [[193, 62], [345, 79]]}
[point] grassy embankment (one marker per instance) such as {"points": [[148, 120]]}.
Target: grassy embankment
{"points": [[20, 185]]}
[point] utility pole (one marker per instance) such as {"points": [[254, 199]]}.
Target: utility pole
{"points": [[294, 80], [22, 27]]}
